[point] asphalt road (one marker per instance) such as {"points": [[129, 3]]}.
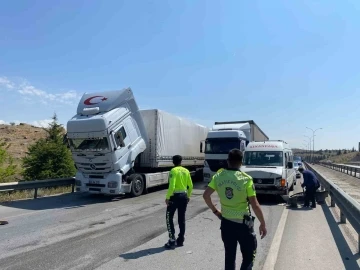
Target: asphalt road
{"points": [[78, 231]]}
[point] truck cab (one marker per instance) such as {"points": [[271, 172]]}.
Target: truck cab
{"points": [[105, 138], [218, 143], [270, 164]]}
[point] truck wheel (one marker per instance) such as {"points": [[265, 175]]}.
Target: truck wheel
{"points": [[137, 185]]}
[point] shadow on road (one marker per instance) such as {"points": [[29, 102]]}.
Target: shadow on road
{"points": [[348, 258], [66, 201], [76, 200], [265, 199], [142, 253], [299, 208]]}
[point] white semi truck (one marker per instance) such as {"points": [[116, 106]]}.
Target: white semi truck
{"points": [[225, 136], [118, 148]]}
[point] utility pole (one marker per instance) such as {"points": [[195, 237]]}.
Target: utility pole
{"points": [[309, 142], [313, 131], [306, 147]]}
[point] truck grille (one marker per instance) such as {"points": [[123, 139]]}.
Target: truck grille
{"points": [[266, 181], [216, 164], [93, 167]]}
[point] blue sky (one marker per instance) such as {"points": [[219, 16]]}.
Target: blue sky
{"points": [[284, 64]]}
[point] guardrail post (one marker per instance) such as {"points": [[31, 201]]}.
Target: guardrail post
{"points": [[72, 188], [35, 193], [342, 217], [347, 170], [332, 202]]}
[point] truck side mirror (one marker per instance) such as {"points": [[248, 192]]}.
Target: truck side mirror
{"points": [[290, 165], [201, 146]]}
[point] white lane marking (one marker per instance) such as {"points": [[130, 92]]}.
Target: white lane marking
{"points": [[275, 245]]}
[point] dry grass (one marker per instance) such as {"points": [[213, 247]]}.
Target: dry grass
{"points": [[19, 138], [29, 194], [344, 158]]}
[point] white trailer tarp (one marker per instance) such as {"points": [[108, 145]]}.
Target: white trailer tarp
{"points": [[171, 135]]}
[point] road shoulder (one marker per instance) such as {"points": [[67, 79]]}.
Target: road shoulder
{"points": [[308, 242]]}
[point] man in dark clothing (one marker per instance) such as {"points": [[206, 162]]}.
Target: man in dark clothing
{"points": [[312, 184]]}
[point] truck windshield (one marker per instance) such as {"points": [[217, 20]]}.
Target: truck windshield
{"points": [[262, 158], [221, 146], [89, 144]]}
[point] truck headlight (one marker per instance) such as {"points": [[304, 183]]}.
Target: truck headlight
{"points": [[112, 184]]}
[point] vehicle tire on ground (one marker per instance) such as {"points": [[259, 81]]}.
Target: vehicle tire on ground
{"points": [[137, 184]]}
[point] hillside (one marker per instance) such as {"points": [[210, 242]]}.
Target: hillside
{"points": [[336, 156], [344, 158], [19, 137]]}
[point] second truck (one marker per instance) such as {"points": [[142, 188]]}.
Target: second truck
{"points": [[118, 148], [225, 136]]}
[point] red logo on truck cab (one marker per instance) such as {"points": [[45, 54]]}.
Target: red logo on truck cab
{"points": [[98, 99]]}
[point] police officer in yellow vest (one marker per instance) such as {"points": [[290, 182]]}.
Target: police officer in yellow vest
{"points": [[236, 191], [177, 198]]}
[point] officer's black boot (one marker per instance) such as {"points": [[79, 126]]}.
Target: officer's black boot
{"points": [[170, 244], [180, 241]]}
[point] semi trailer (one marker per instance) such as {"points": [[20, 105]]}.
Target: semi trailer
{"points": [[118, 148]]}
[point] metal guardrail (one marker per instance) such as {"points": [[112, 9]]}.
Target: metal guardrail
{"points": [[348, 169], [349, 208], [353, 163], [12, 186]]}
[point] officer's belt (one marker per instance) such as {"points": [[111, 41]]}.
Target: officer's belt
{"points": [[179, 192], [235, 220]]}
